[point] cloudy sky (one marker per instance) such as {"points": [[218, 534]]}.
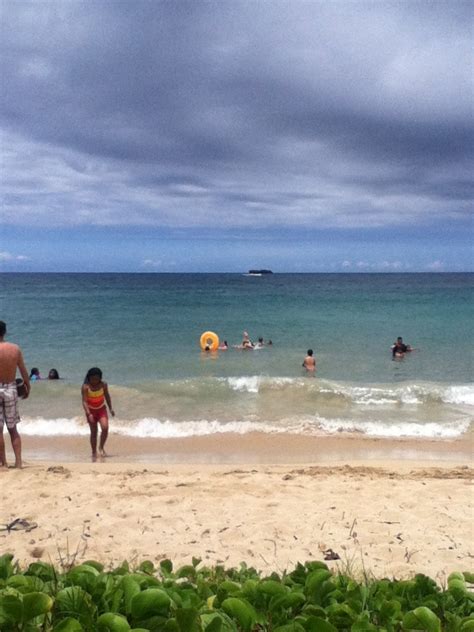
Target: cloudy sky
{"points": [[217, 136]]}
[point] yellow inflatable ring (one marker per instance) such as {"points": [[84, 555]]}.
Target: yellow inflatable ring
{"points": [[209, 339]]}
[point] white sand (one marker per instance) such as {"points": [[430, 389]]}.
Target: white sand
{"points": [[396, 520]]}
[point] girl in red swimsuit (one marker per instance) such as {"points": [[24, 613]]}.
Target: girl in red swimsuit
{"points": [[95, 396]]}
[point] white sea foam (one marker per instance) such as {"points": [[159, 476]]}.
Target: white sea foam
{"points": [[250, 384], [429, 430], [167, 429], [459, 395], [41, 427]]}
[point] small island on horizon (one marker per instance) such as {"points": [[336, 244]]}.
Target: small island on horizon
{"points": [[259, 272]]}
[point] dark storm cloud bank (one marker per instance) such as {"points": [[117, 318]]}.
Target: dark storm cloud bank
{"points": [[237, 114]]}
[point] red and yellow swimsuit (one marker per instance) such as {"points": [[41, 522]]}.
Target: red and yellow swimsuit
{"points": [[96, 403]]}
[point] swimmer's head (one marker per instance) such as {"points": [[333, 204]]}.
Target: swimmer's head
{"points": [[310, 352]]}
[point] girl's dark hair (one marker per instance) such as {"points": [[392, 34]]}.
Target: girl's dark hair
{"points": [[34, 371], [94, 371]]}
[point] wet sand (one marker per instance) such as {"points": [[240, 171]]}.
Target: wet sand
{"points": [[252, 448]]}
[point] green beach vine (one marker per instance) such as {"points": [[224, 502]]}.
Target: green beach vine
{"points": [[192, 598]]}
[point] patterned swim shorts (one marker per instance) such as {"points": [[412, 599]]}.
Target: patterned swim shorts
{"points": [[8, 405]]}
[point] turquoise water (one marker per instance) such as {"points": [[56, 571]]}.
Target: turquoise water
{"points": [[143, 330]]}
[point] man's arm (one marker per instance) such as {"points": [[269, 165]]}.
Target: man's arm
{"points": [[24, 374]]}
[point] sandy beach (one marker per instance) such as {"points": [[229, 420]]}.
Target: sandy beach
{"points": [[384, 515]]}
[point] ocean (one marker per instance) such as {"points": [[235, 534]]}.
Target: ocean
{"points": [[143, 331]]}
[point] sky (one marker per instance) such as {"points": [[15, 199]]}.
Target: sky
{"points": [[218, 136]]}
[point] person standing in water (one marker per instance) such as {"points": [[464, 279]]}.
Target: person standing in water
{"points": [[95, 396], [309, 363], [399, 348], [11, 359]]}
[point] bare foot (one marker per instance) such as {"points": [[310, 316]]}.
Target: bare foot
{"points": [[94, 457], [19, 465], [4, 466], [102, 452]]}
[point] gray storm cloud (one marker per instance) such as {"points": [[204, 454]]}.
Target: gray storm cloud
{"points": [[238, 114]]}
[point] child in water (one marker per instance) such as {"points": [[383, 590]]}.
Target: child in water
{"points": [[95, 396]]}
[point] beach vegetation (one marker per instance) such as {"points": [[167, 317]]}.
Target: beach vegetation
{"points": [[195, 598]]}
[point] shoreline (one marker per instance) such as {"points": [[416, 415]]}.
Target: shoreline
{"points": [[256, 448]]}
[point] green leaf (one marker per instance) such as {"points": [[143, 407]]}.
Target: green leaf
{"points": [[467, 626], [217, 622], [290, 627], [97, 565], [421, 618], [456, 575], [314, 586], [43, 570], [150, 602], [22, 583], [363, 626], [317, 624], [147, 567], [76, 602], [315, 611], [240, 610], [390, 611], [35, 604], [290, 600], [272, 588], [469, 577], [166, 566], [186, 571], [457, 587], [188, 620], [130, 588], [227, 587], [11, 608], [312, 566], [6, 566], [68, 625], [111, 622]]}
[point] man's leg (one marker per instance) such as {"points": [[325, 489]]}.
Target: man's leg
{"points": [[3, 456], [16, 445]]}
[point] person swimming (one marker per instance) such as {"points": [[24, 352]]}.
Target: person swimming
{"points": [[53, 374], [399, 348], [35, 374]]}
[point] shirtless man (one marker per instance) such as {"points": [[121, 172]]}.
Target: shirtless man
{"points": [[11, 359], [399, 348], [309, 363]]}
